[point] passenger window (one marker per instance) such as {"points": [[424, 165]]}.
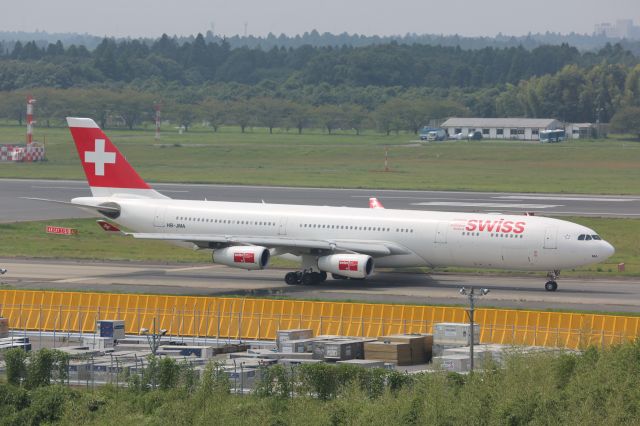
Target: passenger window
{"points": [[581, 237]]}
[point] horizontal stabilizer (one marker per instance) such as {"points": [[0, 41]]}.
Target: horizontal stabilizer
{"points": [[68, 203]]}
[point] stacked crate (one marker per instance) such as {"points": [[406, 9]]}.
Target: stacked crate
{"points": [[4, 327], [420, 345], [449, 335], [398, 353], [292, 334]]}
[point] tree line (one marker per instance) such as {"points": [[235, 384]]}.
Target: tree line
{"points": [[317, 87], [130, 109], [314, 38], [201, 62], [573, 94]]}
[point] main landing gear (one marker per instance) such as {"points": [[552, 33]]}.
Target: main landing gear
{"points": [[305, 277], [552, 285]]}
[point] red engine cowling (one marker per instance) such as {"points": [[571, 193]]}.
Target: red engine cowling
{"points": [[347, 265], [245, 257]]}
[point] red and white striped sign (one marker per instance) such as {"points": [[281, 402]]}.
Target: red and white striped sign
{"points": [[61, 231]]}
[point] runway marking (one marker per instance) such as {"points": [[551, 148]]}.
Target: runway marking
{"points": [[587, 213], [494, 205], [417, 198], [192, 268], [75, 280], [58, 187], [557, 198]]}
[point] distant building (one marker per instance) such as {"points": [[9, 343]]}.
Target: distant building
{"points": [[623, 28], [501, 128], [586, 130]]}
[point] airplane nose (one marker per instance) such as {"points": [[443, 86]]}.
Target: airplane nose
{"points": [[607, 250]]}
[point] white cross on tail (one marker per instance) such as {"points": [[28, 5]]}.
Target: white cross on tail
{"points": [[100, 157]]}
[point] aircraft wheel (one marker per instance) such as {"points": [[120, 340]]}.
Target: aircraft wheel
{"points": [[323, 276], [291, 278], [338, 277], [551, 286], [309, 278]]}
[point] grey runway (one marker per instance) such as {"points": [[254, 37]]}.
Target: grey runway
{"points": [[522, 292], [13, 208]]}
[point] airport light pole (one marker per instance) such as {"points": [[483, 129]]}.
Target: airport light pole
{"points": [[471, 294], [153, 338]]}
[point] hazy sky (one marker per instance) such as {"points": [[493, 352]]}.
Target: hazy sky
{"points": [[383, 17]]}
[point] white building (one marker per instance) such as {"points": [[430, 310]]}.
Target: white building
{"points": [[501, 128], [583, 130]]}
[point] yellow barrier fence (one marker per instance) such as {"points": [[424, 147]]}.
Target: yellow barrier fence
{"points": [[243, 318]]}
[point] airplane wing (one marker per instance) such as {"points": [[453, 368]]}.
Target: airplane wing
{"points": [[286, 245]]}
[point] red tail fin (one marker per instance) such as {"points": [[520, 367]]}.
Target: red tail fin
{"points": [[374, 203], [106, 169]]}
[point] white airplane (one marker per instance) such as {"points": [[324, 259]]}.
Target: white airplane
{"points": [[346, 242]]}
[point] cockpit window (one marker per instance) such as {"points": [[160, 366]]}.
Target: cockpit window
{"points": [[596, 237], [581, 237], [588, 238]]}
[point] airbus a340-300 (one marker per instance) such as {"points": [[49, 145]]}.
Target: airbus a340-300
{"points": [[341, 241]]}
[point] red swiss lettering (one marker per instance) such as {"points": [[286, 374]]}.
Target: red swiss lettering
{"points": [[353, 265], [503, 226]]}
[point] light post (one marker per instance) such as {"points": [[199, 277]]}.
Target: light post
{"points": [[598, 111], [471, 295], [153, 338]]}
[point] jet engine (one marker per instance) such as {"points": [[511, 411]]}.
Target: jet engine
{"points": [[244, 257], [347, 265]]}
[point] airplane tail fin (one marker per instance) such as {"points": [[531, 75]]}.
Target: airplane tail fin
{"points": [[374, 203], [106, 169]]}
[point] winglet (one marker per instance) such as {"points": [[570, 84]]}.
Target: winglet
{"points": [[108, 227], [375, 204]]}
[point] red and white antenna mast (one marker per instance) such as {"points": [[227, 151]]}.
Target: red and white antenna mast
{"points": [[30, 121], [157, 107]]}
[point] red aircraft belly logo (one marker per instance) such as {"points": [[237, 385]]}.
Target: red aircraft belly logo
{"points": [[99, 157]]}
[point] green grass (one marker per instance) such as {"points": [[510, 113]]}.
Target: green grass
{"points": [[28, 239], [346, 160]]}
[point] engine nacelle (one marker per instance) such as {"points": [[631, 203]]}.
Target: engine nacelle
{"points": [[244, 257], [347, 265]]}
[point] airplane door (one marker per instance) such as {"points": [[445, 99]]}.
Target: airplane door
{"points": [[551, 238], [282, 226], [441, 232], [158, 217]]}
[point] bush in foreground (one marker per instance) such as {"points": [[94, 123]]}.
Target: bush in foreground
{"points": [[596, 387]]}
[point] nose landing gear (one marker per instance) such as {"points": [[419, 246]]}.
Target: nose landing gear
{"points": [[552, 285]]}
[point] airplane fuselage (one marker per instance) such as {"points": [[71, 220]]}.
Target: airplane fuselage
{"points": [[430, 238]]}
